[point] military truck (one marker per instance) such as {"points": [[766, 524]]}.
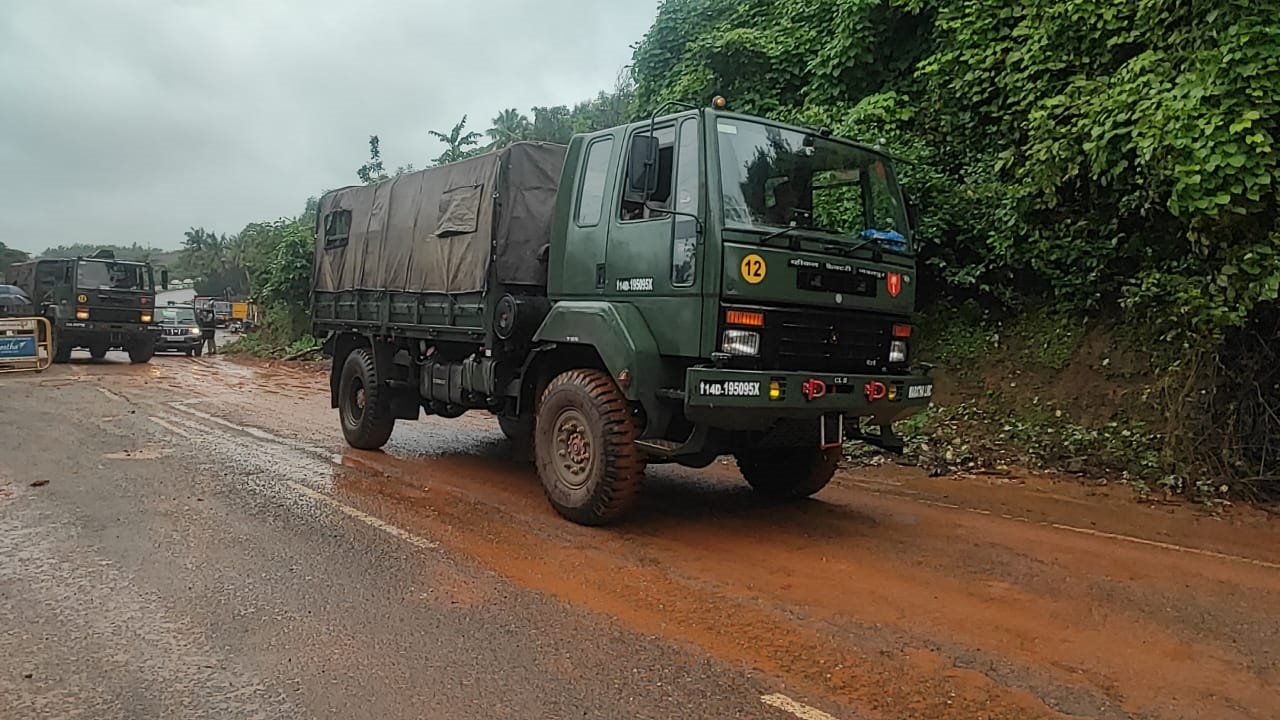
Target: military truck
{"points": [[700, 284], [96, 302]]}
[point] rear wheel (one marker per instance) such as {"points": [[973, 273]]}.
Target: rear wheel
{"points": [[788, 473], [365, 424], [97, 352], [142, 351], [585, 448]]}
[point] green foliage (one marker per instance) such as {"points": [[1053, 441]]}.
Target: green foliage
{"points": [[459, 143], [373, 171], [217, 261], [285, 331], [956, 335], [132, 253], [510, 126], [972, 436], [280, 265], [1049, 337], [10, 256]]}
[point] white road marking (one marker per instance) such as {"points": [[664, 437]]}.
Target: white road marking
{"points": [[314, 494], [185, 406], [362, 516], [1169, 546], [170, 427], [799, 709], [1096, 533]]}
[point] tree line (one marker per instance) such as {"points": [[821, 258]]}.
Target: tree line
{"points": [[555, 124]]}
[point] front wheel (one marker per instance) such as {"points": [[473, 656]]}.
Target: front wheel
{"points": [[788, 473], [198, 351], [360, 406], [585, 448], [61, 349], [142, 351], [97, 352]]}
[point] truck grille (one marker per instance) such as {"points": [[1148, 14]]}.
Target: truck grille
{"points": [[114, 315], [827, 342]]}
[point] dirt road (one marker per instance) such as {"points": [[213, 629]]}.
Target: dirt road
{"points": [[206, 546]]}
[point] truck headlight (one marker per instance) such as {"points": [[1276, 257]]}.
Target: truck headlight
{"points": [[898, 351], [740, 342], [194, 331], [146, 318], [82, 313]]}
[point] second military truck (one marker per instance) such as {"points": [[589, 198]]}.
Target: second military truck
{"points": [[96, 302], [701, 284]]}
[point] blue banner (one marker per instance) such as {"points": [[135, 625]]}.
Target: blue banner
{"points": [[17, 347]]}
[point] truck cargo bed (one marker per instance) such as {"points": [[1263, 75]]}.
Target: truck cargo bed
{"points": [[422, 249]]}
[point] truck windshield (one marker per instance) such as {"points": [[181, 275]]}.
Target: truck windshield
{"points": [[775, 178], [107, 275]]}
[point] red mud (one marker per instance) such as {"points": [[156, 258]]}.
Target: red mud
{"points": [[891, 595]]}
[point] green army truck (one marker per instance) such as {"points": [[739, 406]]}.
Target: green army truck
{"points": [[97, 303], [701, 284]]}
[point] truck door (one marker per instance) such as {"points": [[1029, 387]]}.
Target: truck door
{"points": [[653, 259]]}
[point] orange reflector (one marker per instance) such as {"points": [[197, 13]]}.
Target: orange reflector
{"points": [[902, 331], [744, 317]]}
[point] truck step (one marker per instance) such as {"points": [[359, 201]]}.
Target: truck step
{"points": [[660, 448]]}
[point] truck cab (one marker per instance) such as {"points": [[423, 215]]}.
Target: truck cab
{"points": [[761, 258], [711, 284]]}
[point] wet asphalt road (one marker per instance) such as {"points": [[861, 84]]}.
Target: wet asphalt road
{"points": [[182, 569], [192, 539]]}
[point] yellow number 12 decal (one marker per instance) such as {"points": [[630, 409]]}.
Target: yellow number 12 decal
{"points": [[753, 268]]}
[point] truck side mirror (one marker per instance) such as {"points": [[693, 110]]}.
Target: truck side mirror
{"points": [[642, 167], [164, 279]]}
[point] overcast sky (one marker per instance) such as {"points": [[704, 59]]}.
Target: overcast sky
{"points": [[128, 121]]}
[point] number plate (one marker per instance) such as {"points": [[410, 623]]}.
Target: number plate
{"points": [[919, 391], [728, 388]]}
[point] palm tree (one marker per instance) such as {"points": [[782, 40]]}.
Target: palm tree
{"points": [[510, 126], [457, 141]]}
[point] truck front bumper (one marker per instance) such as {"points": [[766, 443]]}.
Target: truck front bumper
{"points": [[754, 400], [87, 332], [179, 342]]}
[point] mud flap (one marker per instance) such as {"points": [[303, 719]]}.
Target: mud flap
{"points": [[830, 430]]}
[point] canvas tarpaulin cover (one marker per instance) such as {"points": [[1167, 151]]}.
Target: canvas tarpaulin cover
{"points": [[437, 230]]}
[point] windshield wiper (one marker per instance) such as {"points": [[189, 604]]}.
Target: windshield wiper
{"points": [[778, 233]]}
